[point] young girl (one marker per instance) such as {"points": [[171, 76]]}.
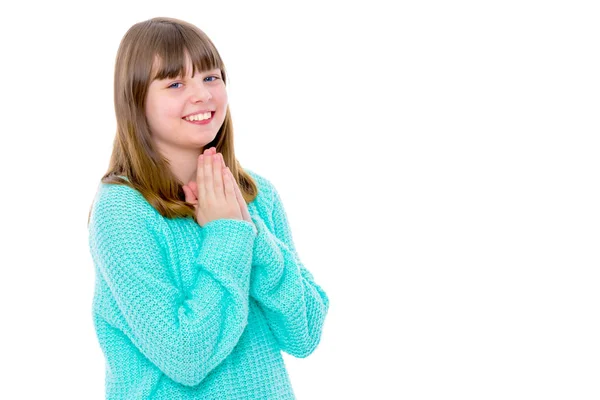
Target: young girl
{"points": [[198, 285]]}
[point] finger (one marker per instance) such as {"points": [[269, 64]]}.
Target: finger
{"points": [[227, 174], [218, 176], [209, 150], [209, 185], [200, 191], [235, 184], [245, 212], [241, 202], [229, 183], [226, 169], [244, 207], [235, 190]]}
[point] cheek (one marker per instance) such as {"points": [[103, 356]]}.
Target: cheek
{"points": [[168, 109], [164, 113], [221, 96]]}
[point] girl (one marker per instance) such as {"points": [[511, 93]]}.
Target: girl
{"points": [[198, 285]]}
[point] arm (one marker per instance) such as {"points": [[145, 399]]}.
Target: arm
{"points": [[295, 306], [185, 335]]}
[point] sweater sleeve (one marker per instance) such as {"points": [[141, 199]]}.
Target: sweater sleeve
{"points": [[294, 305], [186, 335]]}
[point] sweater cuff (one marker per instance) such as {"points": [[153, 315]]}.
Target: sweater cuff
{"points": [[266, 252], [224, 225]]}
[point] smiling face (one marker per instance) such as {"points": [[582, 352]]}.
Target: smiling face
{"points": [[171, 102]]}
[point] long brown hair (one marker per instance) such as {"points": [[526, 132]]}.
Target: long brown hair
{"points": [[134, 156]]}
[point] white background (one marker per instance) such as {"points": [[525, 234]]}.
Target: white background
{"points": [[438, 162]]}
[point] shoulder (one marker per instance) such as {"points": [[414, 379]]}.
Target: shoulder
{"points": [[116, 204], [264, 185], [264, 201], [121, 196]]}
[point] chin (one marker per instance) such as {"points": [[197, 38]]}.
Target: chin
{"points": [[203, 140]]}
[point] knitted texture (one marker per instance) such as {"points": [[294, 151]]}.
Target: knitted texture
{"points": [[189, 312]]}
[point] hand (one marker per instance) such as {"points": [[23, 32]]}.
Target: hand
{"points": [[191, 189], [215, 196]]}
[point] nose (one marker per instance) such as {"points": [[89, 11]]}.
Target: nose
{"points": [[200, 93]]}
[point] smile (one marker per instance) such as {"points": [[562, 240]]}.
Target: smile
{"points": [[200, 119]]}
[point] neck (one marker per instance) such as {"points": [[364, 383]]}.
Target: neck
{"points": [[183, 163]]}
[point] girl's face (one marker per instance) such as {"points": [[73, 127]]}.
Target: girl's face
{"points": [[170, 103]]}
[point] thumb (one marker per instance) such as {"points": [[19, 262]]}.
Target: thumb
{"points": [[189, 195], [194, 187]]}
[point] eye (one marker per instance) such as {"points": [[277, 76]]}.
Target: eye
{"points": [[213, 76], [176, 83]]}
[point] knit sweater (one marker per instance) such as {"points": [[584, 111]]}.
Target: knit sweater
{"points": [[189, 312]]}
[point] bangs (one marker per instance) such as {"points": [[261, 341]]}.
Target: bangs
{"points": [[172, 47]]}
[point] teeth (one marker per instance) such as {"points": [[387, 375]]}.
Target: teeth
{"points": [[198, 117]]}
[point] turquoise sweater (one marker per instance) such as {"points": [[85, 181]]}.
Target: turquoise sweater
{"points": [[189, 312]]}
